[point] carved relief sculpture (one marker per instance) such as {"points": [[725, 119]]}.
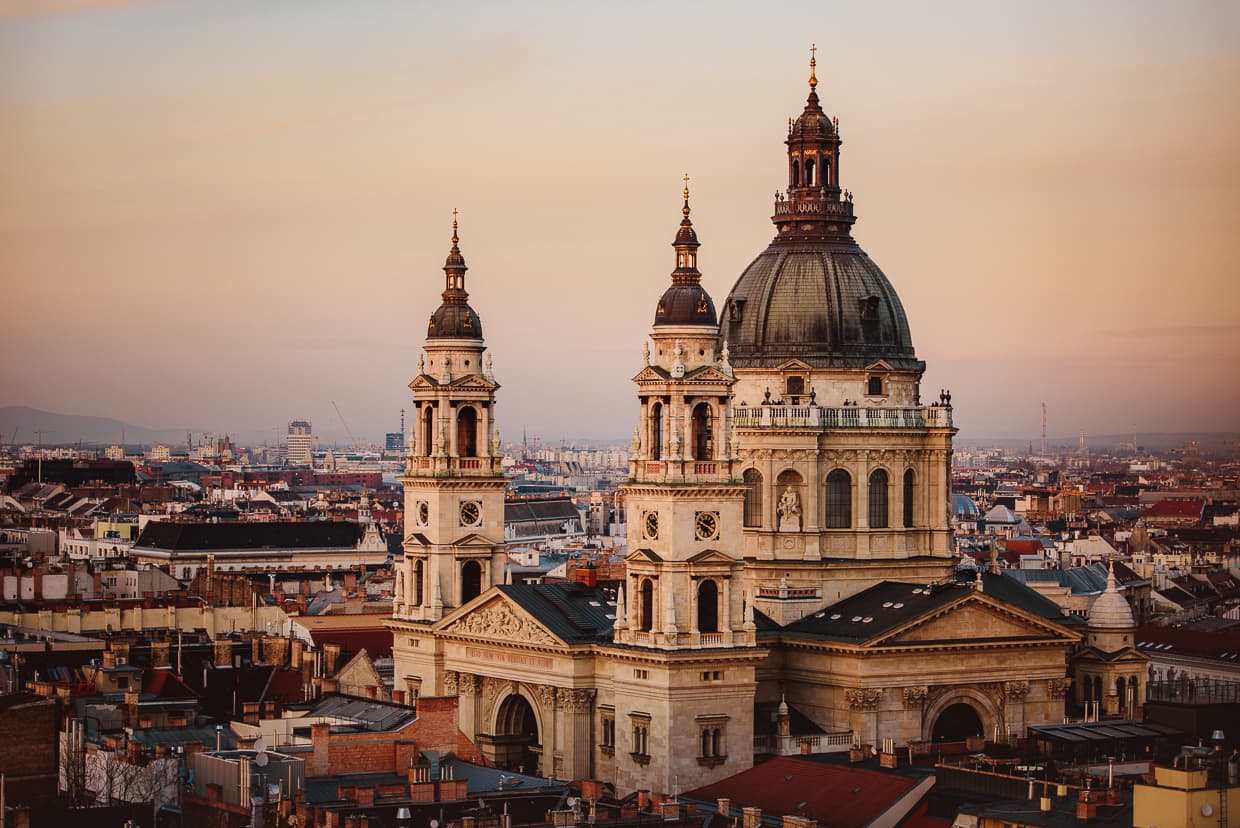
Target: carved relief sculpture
{"points": [[864, 699]]}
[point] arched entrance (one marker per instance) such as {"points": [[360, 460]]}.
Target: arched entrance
{"points": [[516, 741], [471, 581], [956, 723]]}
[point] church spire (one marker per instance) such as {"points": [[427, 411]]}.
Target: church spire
{"points": [[686, 244]]}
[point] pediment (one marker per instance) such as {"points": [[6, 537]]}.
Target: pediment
{"points": [[708, 373], [651, 374], [881, 365], [416, 539], [493, 617], [640, 555], [974, 620], [423, 381], [794, 365], [473, 381], [711, 556], [474, 539]]}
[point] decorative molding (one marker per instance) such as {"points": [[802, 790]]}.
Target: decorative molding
{"points": [[915, 696], [1016, 690], [491, 688], [1058, 687], [863, 699], [577, 701], [546, 695], [449, 683], [467, 684], [497, 621]]}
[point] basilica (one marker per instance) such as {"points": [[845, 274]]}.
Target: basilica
{"points": [[790, 583]]}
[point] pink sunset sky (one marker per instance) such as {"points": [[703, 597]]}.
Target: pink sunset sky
{"points": [[225, 215]]}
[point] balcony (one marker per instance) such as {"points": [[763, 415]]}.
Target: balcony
{"points": [[847, 417]]}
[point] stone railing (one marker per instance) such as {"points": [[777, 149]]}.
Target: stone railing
{"points": [[813, 743], [814, 206], [816, 416]]}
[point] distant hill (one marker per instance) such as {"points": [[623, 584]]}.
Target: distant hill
{"points": [[66, 429]]}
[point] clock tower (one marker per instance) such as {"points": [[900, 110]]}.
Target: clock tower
{"points": [[453, 480]]}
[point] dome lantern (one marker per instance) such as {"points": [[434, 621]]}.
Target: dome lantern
{"points": [[686, 302], [454, 319]]}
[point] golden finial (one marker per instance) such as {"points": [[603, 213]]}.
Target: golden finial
{"points": [[454, 236], [685, 209], [813, 63]]}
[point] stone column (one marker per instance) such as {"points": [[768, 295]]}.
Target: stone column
{"points": [[578, 747], [546, 696], [454, 450]]}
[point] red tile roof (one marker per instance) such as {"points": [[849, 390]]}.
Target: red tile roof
{"points": [[1190, 508], [838, 795]]}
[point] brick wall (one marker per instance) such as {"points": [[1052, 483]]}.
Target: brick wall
{"points": [[29, 747]]}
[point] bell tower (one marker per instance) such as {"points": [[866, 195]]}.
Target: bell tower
{"points": [[453, 480], [685, 649]]}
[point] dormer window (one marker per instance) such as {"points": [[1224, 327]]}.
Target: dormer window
{"points": [[874, 386], [869, 309], [795, 386]]}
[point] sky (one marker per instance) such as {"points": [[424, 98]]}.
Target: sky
{"points": [[225, 215]]}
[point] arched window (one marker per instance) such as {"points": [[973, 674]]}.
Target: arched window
{"points": [[878, 499], [471, 581], [702, 442], [417, 582], [796, 174], [647, 607], [753, 497], [708, 607], [908, 499], [839, 500], [467, 432], [428, 430], [826, 172], [656, 431], [809, 172]]}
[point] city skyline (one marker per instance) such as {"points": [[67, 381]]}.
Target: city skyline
{"points": [[244, 210]]}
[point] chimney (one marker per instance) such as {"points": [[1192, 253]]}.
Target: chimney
{"points": [[398, 697], [331, 655], [751, 818], [724, 807], [159, 653]]}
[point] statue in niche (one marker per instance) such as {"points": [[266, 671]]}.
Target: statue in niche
{"points": [[789, 510]]}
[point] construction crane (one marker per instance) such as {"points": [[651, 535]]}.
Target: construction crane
{"points": [[357, 444]]}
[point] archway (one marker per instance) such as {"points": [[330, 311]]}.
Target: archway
{"points": [[656, 431], [708, 607], [957, 723], [701, 432], [516, 741], [428, 431]]}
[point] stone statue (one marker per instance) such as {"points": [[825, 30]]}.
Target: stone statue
{"points": [[645, 353], [421, 363], [636, 444], [488, 374], [789, 511], [675, 445]]}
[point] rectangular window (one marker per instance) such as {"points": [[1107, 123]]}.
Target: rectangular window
{"points": [[640, 723], [641, 674], [607, 727], [712, 740]]}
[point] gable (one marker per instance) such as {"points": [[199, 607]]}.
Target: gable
{"points": [[881, 365], [359, 672], [794, 365], [711, 556], [472, 381], [473, 539], [641, 555], [973, 620], [707, 373], [650, 374], [422, 381], [492, 617]]}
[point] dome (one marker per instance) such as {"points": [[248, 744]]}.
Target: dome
{"points": [[685, 305], [813, 294], [1110, 611], [454, 320], [827, 304]]}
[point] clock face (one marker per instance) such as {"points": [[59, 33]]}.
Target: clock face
{"points": [[471, 510], [424, 513], [652, 525], [707, 525]]}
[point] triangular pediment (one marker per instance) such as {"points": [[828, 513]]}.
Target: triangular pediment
{"points": [[493, 617], [794, 365], [711, 556], [640, 555], [473, 381], [416, 539], [881, 365], [651, 373], [474, 539], [972, 620], [423, 381], [708, 373]]}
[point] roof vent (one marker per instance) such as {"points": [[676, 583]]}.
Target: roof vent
{"points": [[897, 605], [867, 619], [835, 616], [887, 605], [856, 618]]}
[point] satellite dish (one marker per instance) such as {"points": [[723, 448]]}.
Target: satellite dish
{"points": [[261, 760], [260, 745]]}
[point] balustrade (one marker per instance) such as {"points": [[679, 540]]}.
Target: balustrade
{"points": [[854, 416]]}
